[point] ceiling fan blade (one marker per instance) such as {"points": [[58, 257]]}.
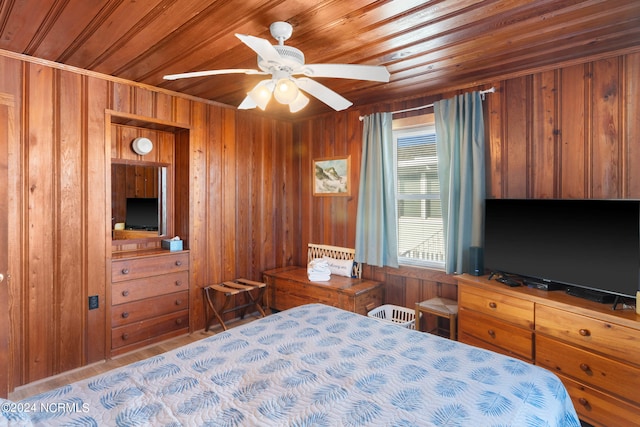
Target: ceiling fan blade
{"points": [[323, 93], [346, 71], [262, 47], [211, 73]]}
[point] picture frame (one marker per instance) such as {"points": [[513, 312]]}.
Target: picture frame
{"points": [[331, 176]]}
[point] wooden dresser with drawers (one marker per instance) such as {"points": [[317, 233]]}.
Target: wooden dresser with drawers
{"points": [[594, 349], [290, 287], [149, 299]]}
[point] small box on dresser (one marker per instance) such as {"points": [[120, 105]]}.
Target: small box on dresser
{"points": [[172, 245], [149, 298]]}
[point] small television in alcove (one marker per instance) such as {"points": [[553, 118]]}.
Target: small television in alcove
{"points": [[142, 213], [590, 244]]}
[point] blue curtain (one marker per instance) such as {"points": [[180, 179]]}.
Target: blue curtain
{"points": [[376, 234], [460, 147]]}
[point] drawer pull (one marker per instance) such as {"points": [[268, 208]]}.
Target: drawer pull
{"points": [[491, 333], [125, 337], [125, 271], [585, 368], [125, 293], [125, 314], [584, 402], [178, 263], [178, 282], [585, 332], [178, 321], [178, 302], [492, 305]]}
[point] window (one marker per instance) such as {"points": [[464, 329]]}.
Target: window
{"points": [[419, 213]]}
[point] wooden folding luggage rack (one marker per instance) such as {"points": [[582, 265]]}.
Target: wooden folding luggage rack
{"points": [[230, 289]]}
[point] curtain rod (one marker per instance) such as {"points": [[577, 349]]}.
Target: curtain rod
{"points": [[482, 92]]}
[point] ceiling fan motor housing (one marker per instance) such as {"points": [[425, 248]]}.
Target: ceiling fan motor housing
{"points": [[291, 57]]}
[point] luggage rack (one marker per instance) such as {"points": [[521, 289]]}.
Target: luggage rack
{"points": [[230, 289]]}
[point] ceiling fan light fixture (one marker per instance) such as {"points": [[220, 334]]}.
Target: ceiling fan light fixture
{"points": [[283, 62], [261, 94], [286, 91], [299, 103]]}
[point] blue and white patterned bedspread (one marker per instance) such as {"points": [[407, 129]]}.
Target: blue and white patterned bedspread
{"points": [[314, 366]]}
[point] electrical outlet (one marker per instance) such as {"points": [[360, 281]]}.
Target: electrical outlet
{"points": [[93, 302]]}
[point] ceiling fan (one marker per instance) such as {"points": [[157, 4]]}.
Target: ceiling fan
{"points": [[283, 63]]}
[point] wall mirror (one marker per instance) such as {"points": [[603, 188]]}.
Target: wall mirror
{"points": [[138, 200]]}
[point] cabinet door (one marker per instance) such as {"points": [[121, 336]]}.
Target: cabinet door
{"points": [[5, 136]]}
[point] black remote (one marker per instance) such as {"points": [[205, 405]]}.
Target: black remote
{"points": [[509, 282]]}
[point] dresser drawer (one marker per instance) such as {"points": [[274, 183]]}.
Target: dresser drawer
{"points": [[597, 335], [474, 341], [599, 408], [512, 339], [364, 302], [511, 309], [309, 293], [150, 328], [587, 367], [133, 290], [292, 297], [134, 268], [123, 314]]}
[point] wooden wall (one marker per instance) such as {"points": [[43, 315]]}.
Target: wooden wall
{"points": [[569, 132], [240, 210]]}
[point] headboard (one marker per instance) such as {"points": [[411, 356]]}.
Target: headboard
{"points": [[318, 251]]}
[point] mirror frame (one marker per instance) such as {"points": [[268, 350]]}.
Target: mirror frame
{"points": [[164, 213]]}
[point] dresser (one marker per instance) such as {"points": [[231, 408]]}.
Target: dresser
{"points": [[289, 287], [149, 298], [593, 349]]}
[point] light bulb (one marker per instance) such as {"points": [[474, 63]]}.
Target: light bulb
{"points": [[286, 91], [299, 103], [261, 94]]}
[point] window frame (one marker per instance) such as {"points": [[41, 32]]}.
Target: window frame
{"points": [[403, 127]]}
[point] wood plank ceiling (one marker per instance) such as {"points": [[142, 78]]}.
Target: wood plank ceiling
{"points": [[427, 46]]}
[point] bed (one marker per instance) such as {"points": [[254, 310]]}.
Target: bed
{"points": [[312, 365]]}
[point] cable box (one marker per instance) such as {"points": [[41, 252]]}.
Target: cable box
{"points": [[544, 286]]}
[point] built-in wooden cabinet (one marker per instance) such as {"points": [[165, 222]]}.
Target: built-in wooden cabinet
{"points": [[594, 349], [149, 298]]}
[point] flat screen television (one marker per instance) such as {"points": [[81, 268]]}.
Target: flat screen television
{"points": [[591, 244], [142, 213]]}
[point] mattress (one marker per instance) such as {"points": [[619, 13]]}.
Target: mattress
{"points": [[312, 365]]}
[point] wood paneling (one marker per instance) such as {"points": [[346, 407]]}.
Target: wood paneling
{"points": [[60, 196], [428, 46], [7, 145], [244, 202], [574, 148], [569, 132]]}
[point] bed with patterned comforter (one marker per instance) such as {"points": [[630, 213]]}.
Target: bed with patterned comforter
{"points": [[312, 365]]}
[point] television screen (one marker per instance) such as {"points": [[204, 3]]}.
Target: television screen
{"points": [[142, 213], [594, 244]]}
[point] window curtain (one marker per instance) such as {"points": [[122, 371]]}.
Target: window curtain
{"points": [[376, 234], [460, 148]]}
